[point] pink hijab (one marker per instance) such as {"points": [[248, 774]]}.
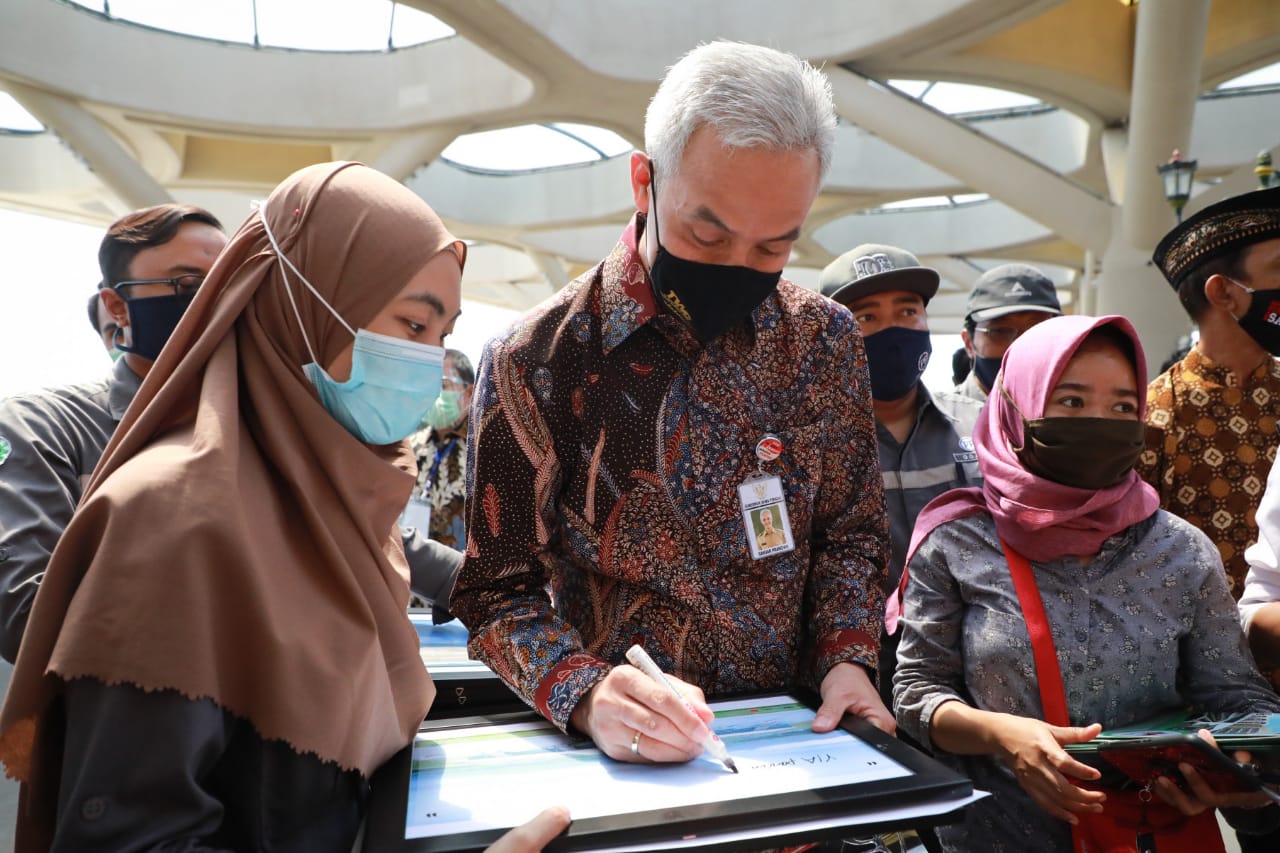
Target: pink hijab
{"points": [[1038, 518]]}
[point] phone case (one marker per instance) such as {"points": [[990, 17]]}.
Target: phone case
{"points": [[1148, 759]]}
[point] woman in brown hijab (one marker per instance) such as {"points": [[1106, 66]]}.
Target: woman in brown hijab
{"points": [[219, 658]]}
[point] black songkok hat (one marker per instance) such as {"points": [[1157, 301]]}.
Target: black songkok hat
{"points": [[1220, 229]]}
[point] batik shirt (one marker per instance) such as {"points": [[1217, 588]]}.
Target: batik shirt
{"points": [[607, 447], [442, 482], [1209, 451]]}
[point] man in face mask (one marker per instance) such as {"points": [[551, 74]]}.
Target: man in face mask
{"points": [[1214, 413], [925, 439], [628, 431], [1212, 416], [441, 448], [1005, 302], [56, 436]]}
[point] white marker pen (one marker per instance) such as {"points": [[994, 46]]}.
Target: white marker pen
{"points": [[640, 659]]}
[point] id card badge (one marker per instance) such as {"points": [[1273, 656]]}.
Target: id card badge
{"points": [[764, 515]]}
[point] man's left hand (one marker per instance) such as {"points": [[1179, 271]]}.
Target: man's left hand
{"points": [[848, 689]]}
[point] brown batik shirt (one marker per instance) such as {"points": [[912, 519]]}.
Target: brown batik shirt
{"points": [[1210, 446], [607, 447]]}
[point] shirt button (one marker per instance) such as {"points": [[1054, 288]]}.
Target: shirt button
{"points": [[1082, 637], [1077, 668], [93, 808]]}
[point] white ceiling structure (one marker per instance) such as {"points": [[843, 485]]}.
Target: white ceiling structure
{"points": [[127, 115]]}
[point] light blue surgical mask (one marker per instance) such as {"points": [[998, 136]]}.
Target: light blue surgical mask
{"points": [[393, 382]]}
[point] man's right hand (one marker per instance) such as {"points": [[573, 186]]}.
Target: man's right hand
{"points": [[632, 718]]}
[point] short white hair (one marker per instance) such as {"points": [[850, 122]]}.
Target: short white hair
{"points": [[753, 96]]}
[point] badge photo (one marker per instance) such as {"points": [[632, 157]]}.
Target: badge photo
{"points": [[764, 516]]}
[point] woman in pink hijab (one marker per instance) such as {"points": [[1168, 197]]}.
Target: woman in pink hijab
{"points": [[1058, 600]]}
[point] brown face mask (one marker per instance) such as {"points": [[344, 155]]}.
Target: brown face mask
{"points": [[1088, 453]]}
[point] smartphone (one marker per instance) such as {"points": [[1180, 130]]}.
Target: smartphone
{"points": [[1147, 759]]}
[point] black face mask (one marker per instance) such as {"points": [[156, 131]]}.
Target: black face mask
{"points": [[896, 357], [1088, 453], [1262, 321], [709, 298], [985, 368], [151, 321]]}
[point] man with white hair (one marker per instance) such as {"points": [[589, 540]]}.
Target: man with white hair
{"points": [[624, 433]]}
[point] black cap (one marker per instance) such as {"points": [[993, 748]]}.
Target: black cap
{"points": [[875, 268], [1008, 289], [1220, 229]]}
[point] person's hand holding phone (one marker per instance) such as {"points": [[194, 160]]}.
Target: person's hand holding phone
{"points": [[1201, 796]]}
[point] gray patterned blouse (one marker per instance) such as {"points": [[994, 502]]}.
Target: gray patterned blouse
{"points": [[1146, 626]]}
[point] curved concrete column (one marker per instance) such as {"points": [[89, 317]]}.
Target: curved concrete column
{"points": [[1168, 53], [976, 160], [405, 154], [88, 138]]}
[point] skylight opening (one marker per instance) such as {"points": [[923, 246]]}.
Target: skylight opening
{"points": [[531, 147], [1266, 76], [320, 25], [962, 98], [958, 200], [922, 201], [14, 118]]}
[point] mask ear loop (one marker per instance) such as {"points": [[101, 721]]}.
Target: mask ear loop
{"points": [[285, 262], [653, 213]]}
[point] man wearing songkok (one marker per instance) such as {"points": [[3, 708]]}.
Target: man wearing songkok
{"points": [[1005, 302], [624, 433], [925, 439], [1214, 413]]}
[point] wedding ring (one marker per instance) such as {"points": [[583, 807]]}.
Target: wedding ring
{"points": [[635, 743]]}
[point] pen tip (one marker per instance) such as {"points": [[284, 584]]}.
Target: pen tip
{"points": [[728, 762]]}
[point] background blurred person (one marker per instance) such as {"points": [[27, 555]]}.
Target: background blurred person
{"points": [[1005, 302]]}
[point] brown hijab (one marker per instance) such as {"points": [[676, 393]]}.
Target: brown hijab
{"points": [[236, 543]]}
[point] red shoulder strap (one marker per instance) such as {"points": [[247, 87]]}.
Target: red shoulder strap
{"points": [[1053, 696]]}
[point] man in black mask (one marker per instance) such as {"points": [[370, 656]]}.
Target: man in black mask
{"points": [[925, 439], [1005, 302], [626, 433], [152, 261], [1214, 413], [1212, 416]]}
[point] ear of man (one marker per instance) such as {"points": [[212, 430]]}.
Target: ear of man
{"points": [[1225, 295]]}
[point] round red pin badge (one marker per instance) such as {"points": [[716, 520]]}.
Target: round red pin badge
{"points": [[769, 448]]}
